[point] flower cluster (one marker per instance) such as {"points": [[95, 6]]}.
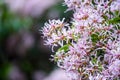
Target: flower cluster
{"points": [[29, 7], [90, 46]]}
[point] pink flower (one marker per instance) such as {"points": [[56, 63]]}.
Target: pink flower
{"points": [[114, 68], [90, 47], [53, 35]]}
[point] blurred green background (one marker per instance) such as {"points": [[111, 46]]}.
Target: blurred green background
{"points": [[23, 55]]}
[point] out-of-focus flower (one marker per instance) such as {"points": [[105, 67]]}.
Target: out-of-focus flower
{"points": [[20, 43], [15, 73], [53, 14], [26, 42], [39, 75], [57, 75], [30, 7]]}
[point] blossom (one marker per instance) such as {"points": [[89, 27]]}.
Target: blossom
{"points": [[115, 5], [114, 68], [53, 35], [90, 47], [72, 3]]}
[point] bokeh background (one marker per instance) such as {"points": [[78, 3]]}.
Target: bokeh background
{"points": [[23, 55]]}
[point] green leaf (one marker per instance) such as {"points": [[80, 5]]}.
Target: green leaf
{"points": [[64, 48], [95, 37], [94, 60], [100, 67], [114, 20]]}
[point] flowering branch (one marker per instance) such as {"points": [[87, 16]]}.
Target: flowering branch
{"points": [[90, 47]]}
